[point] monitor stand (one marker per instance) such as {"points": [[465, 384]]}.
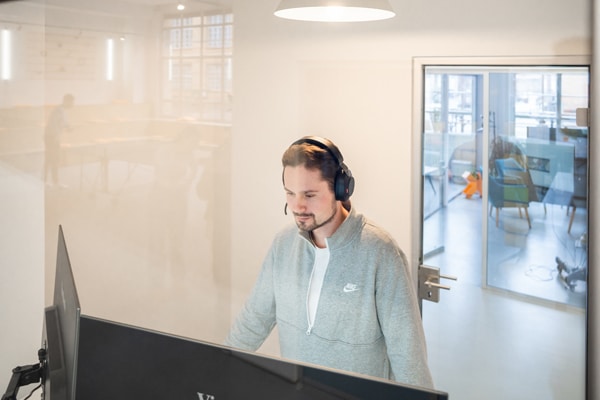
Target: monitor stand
{"points": [[26, 375]]}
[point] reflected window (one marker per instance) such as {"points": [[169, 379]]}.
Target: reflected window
{"points": [[196, 69], [548, 99], [5, 48], [449, 102]]}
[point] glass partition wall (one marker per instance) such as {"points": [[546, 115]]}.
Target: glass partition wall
{"points": [[504, 203], [139, 174], [122, 121], [546, 153]]}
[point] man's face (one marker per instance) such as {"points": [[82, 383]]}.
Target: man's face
{"points": [[309, 197]]}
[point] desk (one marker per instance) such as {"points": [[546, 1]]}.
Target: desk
{"points": [[429, 173], [561, 189]]}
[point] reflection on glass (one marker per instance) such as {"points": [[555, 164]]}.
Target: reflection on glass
{"points": [[540, 232], [502, 150], [6, 72], [136, 167], [197, 53], [536, 172]]}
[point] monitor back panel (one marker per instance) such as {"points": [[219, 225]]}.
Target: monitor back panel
{"points": [[123, 362]]}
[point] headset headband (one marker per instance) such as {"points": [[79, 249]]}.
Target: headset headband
{"points": [[324, 144]]}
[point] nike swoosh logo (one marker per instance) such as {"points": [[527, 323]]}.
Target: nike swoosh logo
{"points": [[350, 287]]}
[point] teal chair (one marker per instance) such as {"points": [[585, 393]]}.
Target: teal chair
{"points": [[508, 192], [510, 168]]}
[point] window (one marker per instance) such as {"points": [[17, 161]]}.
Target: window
{"points": [[548, 98], [196, 73], [449, 103]]}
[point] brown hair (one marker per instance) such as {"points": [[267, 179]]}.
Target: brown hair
{"points": [[311, 157]]}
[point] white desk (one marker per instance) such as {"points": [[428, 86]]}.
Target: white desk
{"points": [[561, 189]]}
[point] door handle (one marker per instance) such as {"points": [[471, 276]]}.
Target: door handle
{"points": [[436, 285], [429, 283]]}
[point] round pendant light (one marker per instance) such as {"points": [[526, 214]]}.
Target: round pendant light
{"points": [[335, 10]]}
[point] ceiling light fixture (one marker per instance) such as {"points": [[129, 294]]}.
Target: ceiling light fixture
{"points": [[335, 10], [180, 6]]}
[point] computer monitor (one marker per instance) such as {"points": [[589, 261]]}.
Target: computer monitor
{"points": [[102, 359], [125, 362], [61, 330]]}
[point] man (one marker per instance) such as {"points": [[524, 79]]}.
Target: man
{"points": [[336, 285], [57, 124]]}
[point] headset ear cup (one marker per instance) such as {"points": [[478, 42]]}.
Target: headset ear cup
{"points": [[350, 185], [340, 186], [344, 184]]}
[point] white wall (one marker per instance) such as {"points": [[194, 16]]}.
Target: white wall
{"points": [[353, 83], [21, 271]]}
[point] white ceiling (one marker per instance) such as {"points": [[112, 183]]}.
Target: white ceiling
{"points": [[191, 5], [213, 3]]}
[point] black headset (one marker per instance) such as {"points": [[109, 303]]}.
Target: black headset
{"points": [[343, 185]]}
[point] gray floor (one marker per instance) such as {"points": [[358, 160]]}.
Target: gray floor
{"points": [[510, 329], [519, 259]]}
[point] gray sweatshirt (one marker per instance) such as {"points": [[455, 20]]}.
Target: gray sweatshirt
{"points": [[367, 319]]}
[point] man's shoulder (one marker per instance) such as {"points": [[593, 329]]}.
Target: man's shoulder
{"points": [[286, 234], [376, 237], [376, 230]]}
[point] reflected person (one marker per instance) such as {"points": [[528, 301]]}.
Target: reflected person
{"points": [[56, 125], [336, 285], [169, 204]]}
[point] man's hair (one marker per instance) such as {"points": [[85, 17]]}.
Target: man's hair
{"points": [[311, 157]]}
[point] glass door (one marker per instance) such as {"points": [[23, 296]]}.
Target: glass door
{"points": [[537, 183], [504, 209]]}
